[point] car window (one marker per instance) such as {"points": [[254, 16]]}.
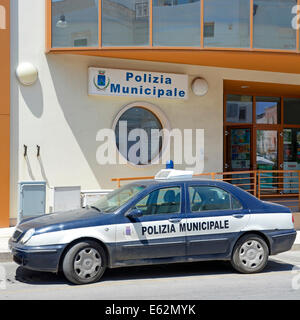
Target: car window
{"points": [[205, 198], [115, 199], [236, 203], [161, 201]]}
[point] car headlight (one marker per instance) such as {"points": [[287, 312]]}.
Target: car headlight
{"points": [[28, 234]]}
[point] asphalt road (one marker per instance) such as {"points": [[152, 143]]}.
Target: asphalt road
{"points": [[193, 281]]}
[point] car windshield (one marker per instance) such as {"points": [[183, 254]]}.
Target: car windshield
{"points": [[114, 200]]}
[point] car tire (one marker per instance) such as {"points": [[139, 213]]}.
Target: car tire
{"points": [[250, 254], [85, 262]]}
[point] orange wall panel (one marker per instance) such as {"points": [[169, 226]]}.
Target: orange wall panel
{"points": [[4, 171], [4, 112], [4, 57], [237, 59]]}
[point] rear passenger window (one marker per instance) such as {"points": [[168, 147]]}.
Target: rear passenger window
{"points": [[205, 198], [236, 203]]}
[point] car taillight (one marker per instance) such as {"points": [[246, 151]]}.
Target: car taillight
{"points": [[293, 219]]}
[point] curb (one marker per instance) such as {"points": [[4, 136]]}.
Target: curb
{"points": [[295, 247], [6, 257]]}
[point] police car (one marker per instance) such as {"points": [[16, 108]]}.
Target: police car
{"points": [[173, 218]]}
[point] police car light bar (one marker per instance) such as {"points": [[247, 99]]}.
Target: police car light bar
{"points": [[166, 174]]}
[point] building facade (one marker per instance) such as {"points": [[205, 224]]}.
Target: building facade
{"points": [[246, 51]]}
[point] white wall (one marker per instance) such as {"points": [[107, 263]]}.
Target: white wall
{"points": [[57, 114]]}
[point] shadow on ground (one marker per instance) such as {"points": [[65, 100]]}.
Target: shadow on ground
{"points": [[205, 268]]}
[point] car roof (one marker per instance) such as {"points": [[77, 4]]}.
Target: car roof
{"points": [[166, 181]]}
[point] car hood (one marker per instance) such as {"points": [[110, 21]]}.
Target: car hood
{"points": [[65, 220]]}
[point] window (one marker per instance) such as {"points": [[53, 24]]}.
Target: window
{"points": [[272, 24], [236, 205], [267, 110], [125, 23], [291, 109], [138, 136], [176, 23], [161, 201], [239, 109], [206, 198], [227, 23], [209, 29], [141, 9], [80, 42], [115, 199], [73, 17]]}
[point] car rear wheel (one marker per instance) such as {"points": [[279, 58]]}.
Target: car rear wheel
{"points": [[250, 254], [84, 263]]}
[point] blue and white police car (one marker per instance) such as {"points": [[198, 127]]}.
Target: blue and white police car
{"points": [[173, 218]]}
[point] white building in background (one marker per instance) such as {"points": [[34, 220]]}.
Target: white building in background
{"points": [[55, 122]]}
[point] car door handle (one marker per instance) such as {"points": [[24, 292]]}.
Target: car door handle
{"points": [[238, 215], [175, 220]]}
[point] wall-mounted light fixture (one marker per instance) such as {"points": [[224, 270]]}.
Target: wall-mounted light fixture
{"points": [[27, 73], [200, 87]]}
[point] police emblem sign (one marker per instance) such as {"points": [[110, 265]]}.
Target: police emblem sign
{"points": [[115, 82], [101, 81]]}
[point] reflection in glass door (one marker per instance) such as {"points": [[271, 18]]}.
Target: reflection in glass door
{"points": [[239, 156], [240, 145], [267, 158]]}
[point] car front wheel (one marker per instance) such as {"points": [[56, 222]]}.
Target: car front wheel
{"points": [[250, 254], [84, 263]]}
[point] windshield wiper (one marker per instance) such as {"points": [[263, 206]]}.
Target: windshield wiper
{"points": [[93, 207]]}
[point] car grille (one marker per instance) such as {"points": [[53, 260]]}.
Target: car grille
{"points": [[16, 235]]}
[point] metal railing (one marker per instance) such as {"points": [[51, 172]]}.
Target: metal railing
{"points": [[279, 186]]}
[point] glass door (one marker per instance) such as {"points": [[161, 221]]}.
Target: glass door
{"points": [[267, 159], [291, 158], [239, 156], [266, 149], [239, 143]]}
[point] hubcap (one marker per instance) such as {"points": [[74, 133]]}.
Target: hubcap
{"points": [[87, 263], [252, 254]]}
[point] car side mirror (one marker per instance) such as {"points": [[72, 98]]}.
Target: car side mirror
{"points": [[134, 213]]}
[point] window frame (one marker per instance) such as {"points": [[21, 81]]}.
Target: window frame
{"points": [[159, 114], [48, 4]]}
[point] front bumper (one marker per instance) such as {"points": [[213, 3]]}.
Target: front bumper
{"points": [[39, 258]]}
